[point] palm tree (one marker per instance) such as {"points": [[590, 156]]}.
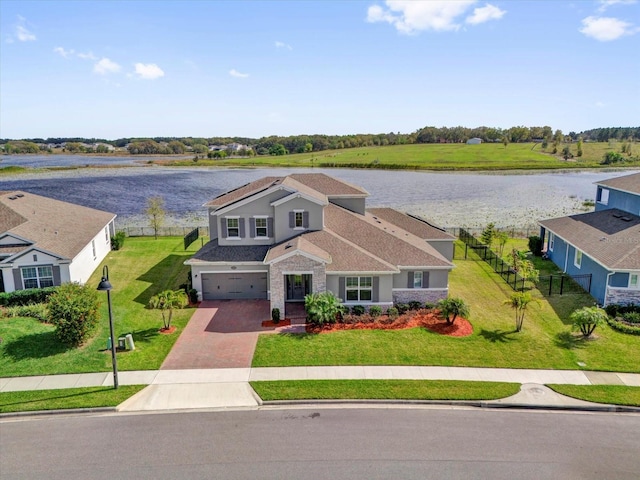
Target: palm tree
{"points": [[166, 301], [519, 301], [322, 307], [586, 319], [453, 306]]}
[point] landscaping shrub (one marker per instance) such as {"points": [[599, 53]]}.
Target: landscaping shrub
{"points": [[39, 311], [535, 245], [429, 306], [26, 297], [322, 307], [402, 308], [358, 310], [375, 311], [615, 310], [415, 305], [73, 310], [117, 241], [622, 326], [193, 296], [631, 317], [393, 312], [275, 315]]}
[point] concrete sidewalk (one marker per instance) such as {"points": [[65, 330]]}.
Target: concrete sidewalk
{"points": [[229, 387]]}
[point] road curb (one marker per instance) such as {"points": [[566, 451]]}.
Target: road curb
{"points": [[68, 411]]}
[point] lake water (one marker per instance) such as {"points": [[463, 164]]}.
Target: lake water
{"points": [[447, 199]]}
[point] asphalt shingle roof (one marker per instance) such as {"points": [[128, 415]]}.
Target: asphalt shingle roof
{"points": [[611, 237], [213, 252], [628, 183], [420, 228]]}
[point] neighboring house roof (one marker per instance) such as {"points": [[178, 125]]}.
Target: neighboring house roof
{"points": [[611, 237], [628, 183], [412, 224], [51, 225], [382, 239], [212, 252]]}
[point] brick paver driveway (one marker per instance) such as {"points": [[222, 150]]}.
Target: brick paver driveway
{"points": [[220, 334]]}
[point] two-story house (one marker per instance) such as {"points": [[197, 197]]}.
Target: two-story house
{"points": [[280, 238], [604, 243]]}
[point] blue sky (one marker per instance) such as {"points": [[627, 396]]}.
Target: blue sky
{"points": [[112, 69]]}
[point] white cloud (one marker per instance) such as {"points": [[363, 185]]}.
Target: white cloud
{"points": [[105, 66], [484, 14], [234, 73], [23, 34], [605, 29], [87, 56], [283, 45], [604, 4], [409, 16], [148, 71], [62, 52]]}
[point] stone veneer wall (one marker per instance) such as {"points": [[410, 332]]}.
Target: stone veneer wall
{"points": [[296, 263], [622, 296], [419, 295]]}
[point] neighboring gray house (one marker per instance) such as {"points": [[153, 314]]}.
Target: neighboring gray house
{"points": [[280, 238], [604, 243], [474, 141], [46, 242]]}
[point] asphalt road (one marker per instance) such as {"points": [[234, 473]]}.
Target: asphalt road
{"points": [[324, 443]]}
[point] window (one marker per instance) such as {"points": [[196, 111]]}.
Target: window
{"points": [[417, 279], [634, 281], [298, 223], [37, 277], [552, 239], [359, 289], [603, 196], [233, 227], [577, 259], [261, 227]]}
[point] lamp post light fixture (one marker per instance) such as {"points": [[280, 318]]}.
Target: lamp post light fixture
{"points": [[105, 286]]}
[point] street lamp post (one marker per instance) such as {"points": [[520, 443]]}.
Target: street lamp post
{"points": [[105, 286]]}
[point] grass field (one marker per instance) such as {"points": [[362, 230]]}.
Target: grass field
{"points": [[612, 394], [487, 156], [141, 269]]}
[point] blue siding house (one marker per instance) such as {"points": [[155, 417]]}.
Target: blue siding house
{"points": [[604, 243]]}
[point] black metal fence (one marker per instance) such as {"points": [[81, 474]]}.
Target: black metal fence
{"points": [[502, 268], [563, 284], [163, 231], [513, 232]]}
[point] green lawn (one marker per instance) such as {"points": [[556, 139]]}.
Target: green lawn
{"points": [[613, 394], [383, 390], [487, 156], [141, 269], [91, 397], [546, 340]]}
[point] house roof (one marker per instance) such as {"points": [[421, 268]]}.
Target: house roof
{"points": [[213, 252], [419, 227], [243, 191], [298, 244], [329, 186], [58, 227], [383, 239], [628, 183], [611, 237]]}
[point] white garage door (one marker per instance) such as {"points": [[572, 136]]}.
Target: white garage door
{"points": [[226, 286]]}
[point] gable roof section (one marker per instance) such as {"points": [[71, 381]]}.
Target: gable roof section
{"points": [[243, 191], [628, 183], [415, 225], [301, 245], [383, 240], [60, 228], [605, 236], [329, 186]]}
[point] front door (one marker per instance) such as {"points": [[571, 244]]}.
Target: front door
{"points": [[298, 286]]}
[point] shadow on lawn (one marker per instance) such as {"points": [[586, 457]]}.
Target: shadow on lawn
{"points": [[36, 345], [496, 336], [164, 275], [569, 341], [144, 336]]}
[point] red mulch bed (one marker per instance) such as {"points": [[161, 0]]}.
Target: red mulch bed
{"points": [[168, 331], [282, 323], [423, 318]]}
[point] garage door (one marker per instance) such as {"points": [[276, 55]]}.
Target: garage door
{"points": [[225, 286]]}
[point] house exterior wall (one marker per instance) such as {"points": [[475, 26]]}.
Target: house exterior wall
{"points": [[423, 295], [354, 204], [622, 296], [213, 224], [444, 247], [12, 274], [437, 278], [281, 218], [619, 279], [628, 202], [85, 263], [294, 264], [198, 270], [384, 285]]}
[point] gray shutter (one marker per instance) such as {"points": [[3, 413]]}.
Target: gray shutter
{"points": [[223, 224], [305, 219], [425, 279], [341, 289], [252, 227], [409, 279], [270, 227], [375, 295], [292, 219], [17, 279], [56, 275], [241, 225]]}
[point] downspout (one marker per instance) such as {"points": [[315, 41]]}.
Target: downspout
{"points": [[606, 289], [566, 258]]}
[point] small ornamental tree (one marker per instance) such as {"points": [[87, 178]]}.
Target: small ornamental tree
{"points": [[488, 234], [166, 302], [322, 307], [452, 308], [155, 212], [586, 319], [73, 310], [502, 238], [519, 301]]}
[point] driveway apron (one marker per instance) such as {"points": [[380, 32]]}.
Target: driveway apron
{"points": [[220, 334]]}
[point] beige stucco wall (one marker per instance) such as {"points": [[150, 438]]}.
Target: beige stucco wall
{"points": [[437, 278], [281, 224]]}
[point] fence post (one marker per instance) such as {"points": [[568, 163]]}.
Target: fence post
{"points": [[550, 283], [561, 284]]}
